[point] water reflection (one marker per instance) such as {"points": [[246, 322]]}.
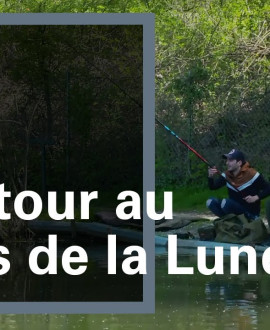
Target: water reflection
{"points": [[21, 284], [217, 301], [182, 302]]}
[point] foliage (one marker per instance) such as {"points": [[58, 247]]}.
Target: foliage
{"points": [[71, 114], [212, 76], [212, 83]]}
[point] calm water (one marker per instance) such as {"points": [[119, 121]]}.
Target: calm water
{"points": [[21, 284], [182, 302]]}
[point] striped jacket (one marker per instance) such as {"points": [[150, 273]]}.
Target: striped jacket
{"points": [[256, 185]]}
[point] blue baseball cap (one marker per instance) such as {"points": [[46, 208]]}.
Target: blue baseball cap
{"points": [[235, 154]]}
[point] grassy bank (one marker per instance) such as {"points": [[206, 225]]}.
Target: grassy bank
{"points": [[189, 198]]}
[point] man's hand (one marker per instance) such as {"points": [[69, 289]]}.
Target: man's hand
{"points": [[212, 171], [251, 199]]}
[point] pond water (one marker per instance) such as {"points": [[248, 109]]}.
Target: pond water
{"points": [[21, 284], [182, 302]]}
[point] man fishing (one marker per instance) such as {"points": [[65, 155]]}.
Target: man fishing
{"points": [[246, 187]]}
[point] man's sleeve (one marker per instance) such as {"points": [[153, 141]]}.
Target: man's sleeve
{"points": [[264, 187], [216, 183]]}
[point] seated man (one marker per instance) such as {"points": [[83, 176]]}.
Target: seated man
{"points": [[246, 187]]}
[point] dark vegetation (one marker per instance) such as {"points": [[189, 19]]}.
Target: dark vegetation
{"points": [[71, 110]]}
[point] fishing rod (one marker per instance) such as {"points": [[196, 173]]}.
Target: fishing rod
{"points": [[195, 152], [185, 144]]}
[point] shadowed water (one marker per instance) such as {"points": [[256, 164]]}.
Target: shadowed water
{"points": [[182, 302], [20, 284]]}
